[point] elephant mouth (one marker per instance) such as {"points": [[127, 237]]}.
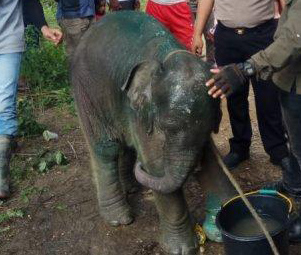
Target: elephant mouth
{"points": [[145, 179], [165, 184]]}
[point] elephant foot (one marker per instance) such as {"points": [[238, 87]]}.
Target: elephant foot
{"points": [[179, 241], [117, 214]]}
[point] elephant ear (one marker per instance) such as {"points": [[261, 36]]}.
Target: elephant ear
{"points": [[138, 88]]}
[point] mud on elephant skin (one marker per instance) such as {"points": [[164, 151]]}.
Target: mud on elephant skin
{"points": [[137, 89]]}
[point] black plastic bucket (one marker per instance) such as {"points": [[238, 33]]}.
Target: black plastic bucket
{"points": [[235, 212]]}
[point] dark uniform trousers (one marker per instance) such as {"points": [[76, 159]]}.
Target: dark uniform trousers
{"points": [[238, 45], [291, 109]]}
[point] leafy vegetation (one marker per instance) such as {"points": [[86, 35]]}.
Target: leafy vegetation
{"points": [[10, 214], [30, 191], [44, 69], [27, 124], [61, 206], [48, 159]]}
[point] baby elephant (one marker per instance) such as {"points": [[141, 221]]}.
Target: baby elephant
{"points": [[138, 92]]}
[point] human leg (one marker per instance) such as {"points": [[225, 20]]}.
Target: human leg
{"points": [[270, 121], [268, 110], [291, 109], [73, 30], [228, 46], [9, 69], [291, 182]]}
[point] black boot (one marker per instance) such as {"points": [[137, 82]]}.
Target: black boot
{"points": [[295, 226], [291, 178], [291, 185], [233, 159], [5, 155]]}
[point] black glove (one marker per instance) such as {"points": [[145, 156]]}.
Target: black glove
{"points": [[232, 77]]}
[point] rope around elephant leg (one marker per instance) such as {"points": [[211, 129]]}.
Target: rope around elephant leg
{"points": [[243, 197]]}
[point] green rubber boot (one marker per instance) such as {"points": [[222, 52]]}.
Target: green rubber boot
{"points": [[5, 155], [213, 205]]}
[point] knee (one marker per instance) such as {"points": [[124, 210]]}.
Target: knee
{"points": [[107, 150]]}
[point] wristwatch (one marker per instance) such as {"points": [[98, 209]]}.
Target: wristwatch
{"points": [[247, 68]]}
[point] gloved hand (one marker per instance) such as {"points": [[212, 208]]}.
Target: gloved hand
{"points": [[230, 78]]}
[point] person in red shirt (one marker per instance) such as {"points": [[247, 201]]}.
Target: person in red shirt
{"points": [[176, 16], [100, 9]]}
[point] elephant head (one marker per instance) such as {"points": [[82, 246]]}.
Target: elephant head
{"points": [[172, 118]]}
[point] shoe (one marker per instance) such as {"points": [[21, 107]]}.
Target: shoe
{"points": [[290, 184], [291, 178], [5, 155], [294, 233], [233, 159]]}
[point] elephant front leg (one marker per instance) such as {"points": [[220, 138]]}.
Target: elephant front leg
{"points": [[112, 201], [177, 231]]}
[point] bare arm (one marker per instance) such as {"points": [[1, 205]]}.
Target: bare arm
{"points": [[281, 4], [34, 13], [203, 12]]}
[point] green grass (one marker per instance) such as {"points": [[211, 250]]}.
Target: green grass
{"points": [[11, 214], [45, 71]]}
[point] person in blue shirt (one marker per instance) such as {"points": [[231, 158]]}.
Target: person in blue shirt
{"points": [[74, 18], [11, 48]]}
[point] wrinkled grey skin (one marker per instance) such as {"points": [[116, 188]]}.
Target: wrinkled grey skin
{"points": [[137, 91]]}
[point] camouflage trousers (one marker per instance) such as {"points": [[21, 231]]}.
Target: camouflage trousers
{"points": [[73, 30]]}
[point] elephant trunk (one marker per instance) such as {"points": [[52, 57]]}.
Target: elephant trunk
{"points": [[173, 179]]}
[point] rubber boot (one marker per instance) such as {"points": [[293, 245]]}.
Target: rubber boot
{"points": [[212, 207], [291, 178], [295, 226], [291, 185], [5, 155]]}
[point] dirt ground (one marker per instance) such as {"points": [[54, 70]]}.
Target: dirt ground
{"points": [[64, 218]]}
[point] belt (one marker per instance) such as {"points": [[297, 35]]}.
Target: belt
{"points": [[246, 30]]}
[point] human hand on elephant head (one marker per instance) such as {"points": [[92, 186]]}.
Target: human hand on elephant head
{"points": [[229, 79]]}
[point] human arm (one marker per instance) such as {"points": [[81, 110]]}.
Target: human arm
{"points": [[114, 5], [284, 50], [203, 12], [281, 5], [35, 15], [137, 5], [287, 45]]}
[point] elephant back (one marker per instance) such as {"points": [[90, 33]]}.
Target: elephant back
{"points": [[121, 40]]}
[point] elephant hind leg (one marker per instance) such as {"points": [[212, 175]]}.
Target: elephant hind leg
{"points": [[126, 162], [177, 230]]}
